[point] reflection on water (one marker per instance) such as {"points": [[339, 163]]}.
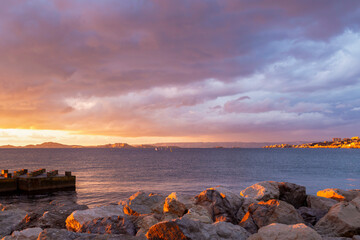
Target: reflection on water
{"points": [[109, 175]]}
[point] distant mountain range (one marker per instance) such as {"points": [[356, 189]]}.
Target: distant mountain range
{"points": [[156, 145]]}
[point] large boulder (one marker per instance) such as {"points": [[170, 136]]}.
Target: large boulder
{"points": [[26, 234], [339, 194], [10, 220], [75, 221], [321, 203], [185, 228], [292, 193], [221, 206], [272, 211], [343, 220], [277, 231], [262, 191], [144, 203]]}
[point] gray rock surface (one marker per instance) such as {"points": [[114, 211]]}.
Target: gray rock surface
{"points": [[343, 220], [10, 220], [26, 234], [278, 231], [109, 225], [144, 203], [293, 194], [321, 203], [262, 191], [311, 215]]}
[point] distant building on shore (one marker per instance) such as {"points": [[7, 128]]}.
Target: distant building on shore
{"points": [[336, 139]]}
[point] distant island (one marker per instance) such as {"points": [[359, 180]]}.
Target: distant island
{"points": [[353, 142], [59, 145]]}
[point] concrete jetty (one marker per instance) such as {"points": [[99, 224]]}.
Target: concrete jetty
{"points": [[22, 181]]}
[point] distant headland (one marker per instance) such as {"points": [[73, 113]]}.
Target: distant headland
{"points": [[353, 142]]}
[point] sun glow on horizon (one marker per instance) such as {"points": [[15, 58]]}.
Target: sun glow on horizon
{"points": [[22, 137]]}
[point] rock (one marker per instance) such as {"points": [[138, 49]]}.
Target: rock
{"points": [[320, 202], [26, 234], [166, 231], [56, 234], [262, 191], [10, 220], [187, 200], [292, 193], [356, 237], [144, 224], [109, 225], [342, 220], [218, 205], [311, 215], [336, 238], [173, 206], [277, 231], [248, 223], [272, 211], [339, 194], [185, 228], [234, 199], [75, 221], [199, 213], [143, 203]]}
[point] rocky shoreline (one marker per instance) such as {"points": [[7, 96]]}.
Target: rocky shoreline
{"points": [[264, 211]]}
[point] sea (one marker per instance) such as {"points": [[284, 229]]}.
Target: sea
{"points": [[105, 176]]}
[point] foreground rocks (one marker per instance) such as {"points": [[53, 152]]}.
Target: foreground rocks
{"points": [[266, 210]]}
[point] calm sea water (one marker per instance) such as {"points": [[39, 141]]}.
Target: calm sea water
{"points": [[109, 175]]}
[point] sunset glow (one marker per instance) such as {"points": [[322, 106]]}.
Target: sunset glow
{"points": [[94, 72]]}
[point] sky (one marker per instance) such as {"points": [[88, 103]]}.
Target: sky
{"points": [[145, 71]]}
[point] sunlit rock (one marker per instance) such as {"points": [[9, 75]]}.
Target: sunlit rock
{"points": [[187, 200], [272, 211], [109, 225], [339, 194], [175, 207], [262, 191], [185, 228], [144, 203], [218, 205], [26, 234], [342, 220], [321, 203], [75, 221], [277, 231]]}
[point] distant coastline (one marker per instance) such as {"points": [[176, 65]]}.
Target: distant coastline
{"points": [[353, 142]]}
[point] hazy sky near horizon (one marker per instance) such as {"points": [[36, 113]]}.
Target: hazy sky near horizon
{"points": [[88, 71]]}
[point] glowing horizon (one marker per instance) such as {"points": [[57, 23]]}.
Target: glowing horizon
{"points": [[97, 72]]}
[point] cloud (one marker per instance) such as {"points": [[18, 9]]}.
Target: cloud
{"points": [[180, 68]]}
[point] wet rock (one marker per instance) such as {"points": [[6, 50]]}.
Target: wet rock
{"points": [[342, 220], [10, 220], [277, 231], [218, 205], [320, 202], [109, 225], [26, 234], [272, 211], [75, 221], [175, 207], [311, 215], [339, 194], [292, 193], [199, 213], [262, 191], [143, 203]]}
